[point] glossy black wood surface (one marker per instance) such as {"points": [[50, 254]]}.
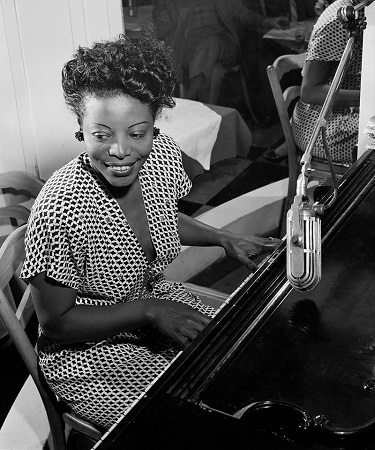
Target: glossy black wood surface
{"points": [[278, 368]]}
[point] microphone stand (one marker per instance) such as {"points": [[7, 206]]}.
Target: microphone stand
{"points": [[303, 219]]}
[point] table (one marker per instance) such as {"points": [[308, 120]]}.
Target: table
{"points": [[233, 140], [233, 136], [286, 41]]}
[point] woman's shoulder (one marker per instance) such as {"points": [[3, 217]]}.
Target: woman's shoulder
{"points": [[165, 149], [164, 166], [64, 179], [328, 19], [328, 39], [64, 187], [164, 140]]}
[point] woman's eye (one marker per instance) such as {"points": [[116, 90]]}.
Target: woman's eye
{"points": [[100, 137], [138, 135]]}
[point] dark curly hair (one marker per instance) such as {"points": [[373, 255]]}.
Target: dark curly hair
{"points": [[140, 68]]}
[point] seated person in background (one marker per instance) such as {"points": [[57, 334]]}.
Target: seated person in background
{"points": [[104, 228], [204, 37], [259, 53], [324, 52]]}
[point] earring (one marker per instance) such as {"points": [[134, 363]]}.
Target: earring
{"points": [[79, 136], [156, 132]]}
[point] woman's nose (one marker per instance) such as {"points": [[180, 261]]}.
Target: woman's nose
{"points": [[120, 148]]}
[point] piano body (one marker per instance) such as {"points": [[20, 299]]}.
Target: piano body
{"points": [[279, 368]]}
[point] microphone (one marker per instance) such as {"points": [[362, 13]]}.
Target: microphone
{"points": [[347, 15], [303, 244], [303, 234], [363, 4]]}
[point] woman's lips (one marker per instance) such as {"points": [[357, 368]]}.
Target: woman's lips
{"points": [[123, 169]]}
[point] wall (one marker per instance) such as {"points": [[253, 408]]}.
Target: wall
{"points": [[36, 38], [368, 77]]}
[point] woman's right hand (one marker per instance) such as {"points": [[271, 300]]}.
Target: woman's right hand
{"points": [[65, 322], [176, 320], [274, 22], [148, 29]]}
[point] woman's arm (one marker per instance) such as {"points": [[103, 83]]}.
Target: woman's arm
{"points": [[314, 87], [195, 233], [64, 322]]}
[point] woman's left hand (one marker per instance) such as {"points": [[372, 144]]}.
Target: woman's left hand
{"points": [[236, 246], [242, 248]]}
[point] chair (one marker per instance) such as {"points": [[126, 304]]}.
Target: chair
{"points": [[284, 101], [12, 254], [217, 76], [219, 73], [19, 190]]}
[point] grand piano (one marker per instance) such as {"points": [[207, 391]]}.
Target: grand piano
{"points": [[278, 368]]}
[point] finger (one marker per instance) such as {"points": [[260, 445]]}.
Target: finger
{"points": [[190, 335], [205, 320], [247, 262], [193, 327], [263, 240], [273, 241], [183, 341], [186, 338], [199, 319]]}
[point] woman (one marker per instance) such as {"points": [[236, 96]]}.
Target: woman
{"points": [[205, 38], [104, 228], [325, 50], [326, 47]]}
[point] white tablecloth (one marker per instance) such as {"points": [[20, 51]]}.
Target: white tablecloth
{"points": [[290, 33], [193, 126]]}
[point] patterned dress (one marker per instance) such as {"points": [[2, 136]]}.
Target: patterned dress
{"points": [[327, 43], [78, 234]]}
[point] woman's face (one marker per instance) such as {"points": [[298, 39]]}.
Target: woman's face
{"points": [[118, 135]]}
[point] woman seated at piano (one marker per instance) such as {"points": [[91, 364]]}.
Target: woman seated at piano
{"points": [[325, 49], [104, 228]]}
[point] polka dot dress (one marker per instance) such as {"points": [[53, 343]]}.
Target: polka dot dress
{"points": [[78, 234], [327, 43]]}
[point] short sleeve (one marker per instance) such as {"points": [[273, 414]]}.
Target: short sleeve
{"points": [[54, 244], [328, 39], [166, 160]]}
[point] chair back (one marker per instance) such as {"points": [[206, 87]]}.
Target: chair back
{"points": [[20, 183], [275, 72], [12, 255], [18, 192], [19, 189], [284, 100]]}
